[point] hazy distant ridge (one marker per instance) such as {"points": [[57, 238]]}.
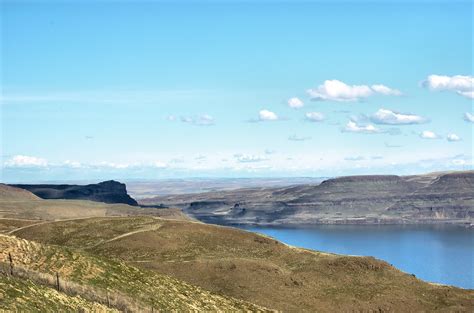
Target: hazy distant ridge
{"points": [[430, 198]]}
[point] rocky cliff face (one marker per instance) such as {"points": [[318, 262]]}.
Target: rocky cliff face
{"points": [[447, 198], [109, 192]]}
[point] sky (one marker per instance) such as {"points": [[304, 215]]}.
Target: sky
{"points": [[150, 90]]}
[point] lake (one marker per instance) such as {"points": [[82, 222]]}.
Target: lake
{"points": [[434, 253]]}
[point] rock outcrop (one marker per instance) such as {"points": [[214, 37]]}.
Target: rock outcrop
{"points": [[108, 191], [375, 199]]}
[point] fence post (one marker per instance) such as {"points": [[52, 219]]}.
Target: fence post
{"points": [[108, 299], [57, 281], [11, 263]]}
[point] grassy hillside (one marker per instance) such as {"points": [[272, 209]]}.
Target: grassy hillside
{"points": [[20, 204], [92, 277], [252, 267], [10, 224], [12, 193], [23, 295]]}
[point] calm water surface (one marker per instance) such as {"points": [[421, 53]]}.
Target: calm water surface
{"points": [[442, 254]]}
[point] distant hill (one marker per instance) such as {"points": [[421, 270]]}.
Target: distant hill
{"points": [[373, 199], [12, 193], [19, 207], [108, 191]]}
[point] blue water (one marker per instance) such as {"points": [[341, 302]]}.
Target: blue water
{"points": [[441, 254]]}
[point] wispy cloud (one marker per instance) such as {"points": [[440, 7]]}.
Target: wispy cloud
{"points": [[462, 85], [112, 96], [427, 134], [25, 161], [384, 90], [200, 120], [353, 127], [468, 117], [453, 137], [200, 158], [336, 90], [248, 158], [298, 138], [388, 117], [354, 158], [389, 145], [314, 116]]}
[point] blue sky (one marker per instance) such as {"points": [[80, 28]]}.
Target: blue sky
{"points": [[98, 90]]}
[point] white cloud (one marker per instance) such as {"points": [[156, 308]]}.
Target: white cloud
{"points": [[462, 85], [298, 138], [266, 115], [112, 165], [295, 103], [25, 161], [384, 90], [336, 90], [314, 116], [354, 127], [427, 134], [201, 120], [469, 117], [247, 158], [453, 137], [384, 116]]}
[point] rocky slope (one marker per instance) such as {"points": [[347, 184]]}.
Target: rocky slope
{"points": [[431, 198], [108, 191]]}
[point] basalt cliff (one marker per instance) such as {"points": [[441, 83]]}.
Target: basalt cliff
{"points": [[374, 199], [108, 191]]}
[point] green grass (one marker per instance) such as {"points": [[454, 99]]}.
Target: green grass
{"points": [[24, 295], [149, 289]]}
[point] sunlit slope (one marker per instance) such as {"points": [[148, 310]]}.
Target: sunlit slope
{"points": [[23, 295], [252, 267], [11, 193], [20, 204], [93, 276]]}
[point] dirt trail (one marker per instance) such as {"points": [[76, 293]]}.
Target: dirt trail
{"points": [[149, 228]]}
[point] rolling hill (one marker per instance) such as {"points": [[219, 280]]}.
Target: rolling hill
{"points": [[95, 283], [251, 267]]}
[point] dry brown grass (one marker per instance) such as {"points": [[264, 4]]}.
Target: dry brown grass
{"points": [[70, 209], [112, 299], [93, 277], [254, 268]]}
